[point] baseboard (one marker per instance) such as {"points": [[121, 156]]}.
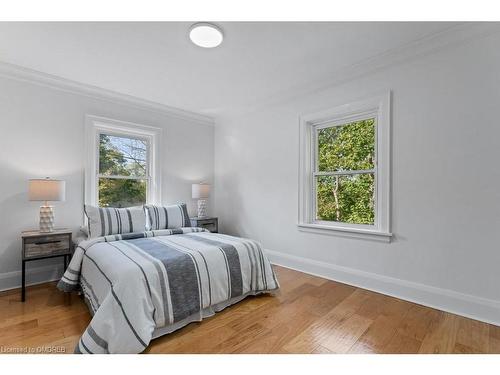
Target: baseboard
{"points": [[36, 275], [478, 308]]}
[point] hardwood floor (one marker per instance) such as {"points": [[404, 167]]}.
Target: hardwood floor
{"points": [[310, 315]]}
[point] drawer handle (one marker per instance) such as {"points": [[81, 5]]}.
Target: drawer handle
{"points": [[43, 243]]}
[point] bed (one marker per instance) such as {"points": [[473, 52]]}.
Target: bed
{"points": [[139, 286]]}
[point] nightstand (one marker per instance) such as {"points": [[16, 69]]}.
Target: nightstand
{"points": [[209, 223], [39, 245]]}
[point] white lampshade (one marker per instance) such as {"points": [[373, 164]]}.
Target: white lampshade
{"points": [[47, 190], [200, 191]]}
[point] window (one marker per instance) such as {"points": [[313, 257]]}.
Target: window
{"points": [[123, 171], [344, 170], [122, 163]]}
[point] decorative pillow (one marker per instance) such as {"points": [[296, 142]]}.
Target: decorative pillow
{"points": [[167, 217], [103, 221]]}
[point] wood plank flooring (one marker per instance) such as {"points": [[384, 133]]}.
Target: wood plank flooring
{"points": [[310, 315]]}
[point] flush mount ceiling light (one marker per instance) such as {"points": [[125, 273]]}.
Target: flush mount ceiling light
{"points": [[206, 35]]}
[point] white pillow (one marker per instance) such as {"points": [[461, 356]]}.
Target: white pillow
{"points": [[167, 217], [103, 221]]}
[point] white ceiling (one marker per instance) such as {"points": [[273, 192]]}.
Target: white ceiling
{"points": [[157, 62]]}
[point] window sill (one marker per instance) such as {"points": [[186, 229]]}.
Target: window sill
{"points": [[365, 234]]}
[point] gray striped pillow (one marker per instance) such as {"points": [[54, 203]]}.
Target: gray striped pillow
{"points": [[167, 217], [103, 221]]}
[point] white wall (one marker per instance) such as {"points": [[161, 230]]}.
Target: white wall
{"points": [[42, 134], [446, 178]]}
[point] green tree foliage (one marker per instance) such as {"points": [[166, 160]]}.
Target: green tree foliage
{"points": [[346, 198], [120, 156]]}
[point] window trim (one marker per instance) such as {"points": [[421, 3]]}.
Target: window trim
{"points": [[379, 107], [94, 126]]}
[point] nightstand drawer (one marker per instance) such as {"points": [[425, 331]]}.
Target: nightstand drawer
{"points": [[211, 224], [46, 245]]}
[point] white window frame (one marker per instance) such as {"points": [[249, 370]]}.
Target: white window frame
{"points": [[377, 107], [96, 125]]}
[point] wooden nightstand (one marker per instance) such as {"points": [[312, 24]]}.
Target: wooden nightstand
{"points": [[209, 223], [38, 245]]}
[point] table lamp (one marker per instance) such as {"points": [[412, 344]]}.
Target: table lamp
{"points": [[201, 192], [46, 190]]}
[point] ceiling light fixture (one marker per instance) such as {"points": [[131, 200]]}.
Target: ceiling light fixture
{"points": [[206, 35]]}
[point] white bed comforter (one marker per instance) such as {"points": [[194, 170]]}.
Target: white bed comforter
{"points": [[137, 283]]}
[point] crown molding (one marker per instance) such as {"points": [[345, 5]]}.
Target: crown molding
{"points": [[427, 45], [20, 73]]}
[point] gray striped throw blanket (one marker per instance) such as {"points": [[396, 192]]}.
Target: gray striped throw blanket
{"points": [[142, 285]]}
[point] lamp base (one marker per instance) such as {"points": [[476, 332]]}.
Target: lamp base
{"points": [[46, 219], [202, 208]]}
